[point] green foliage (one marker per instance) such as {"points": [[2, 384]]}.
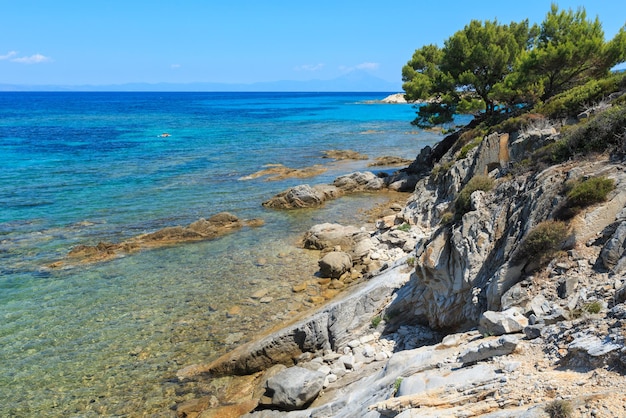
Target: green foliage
{"points": [[463, 203], [569, 50], [572, 102], [542, 242], [495, 67], [405, 227], [468, 105], [447, 218], [584, 193], [396, 385], [560, 409], [468, 147], [605, 131], [410, 261], [590, 191], [461, 75], [593, 307], [441, 168], [553, 153], [375, 321]]}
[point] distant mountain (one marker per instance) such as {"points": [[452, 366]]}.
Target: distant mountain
{"points": [[355, 81]]}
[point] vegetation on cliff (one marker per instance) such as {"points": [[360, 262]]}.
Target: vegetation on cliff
{"points": [[502, 68]]}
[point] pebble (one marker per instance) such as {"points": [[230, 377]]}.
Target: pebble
{"points": [[354, 343], [233, 311], [297, 288]]}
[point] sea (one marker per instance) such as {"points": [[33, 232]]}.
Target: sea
{"points": [[106, 339]]}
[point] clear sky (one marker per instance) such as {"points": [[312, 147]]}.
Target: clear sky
{"points": [[75, 42]]}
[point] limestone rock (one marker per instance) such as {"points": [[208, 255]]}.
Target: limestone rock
{"points": [[359, 182], [202, 229], [613, 254], [295, 387], [334, 264], [349, 239], [303, 196], [337, 154], [506, 322], [495, 347]]}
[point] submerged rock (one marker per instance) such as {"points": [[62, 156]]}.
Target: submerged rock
{"points": [[202, 229], [336, 154]]}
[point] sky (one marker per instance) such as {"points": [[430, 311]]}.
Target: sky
{"points": [[97, 42]]}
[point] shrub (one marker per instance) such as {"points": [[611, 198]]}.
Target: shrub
{"points": [[375, 321], [593, 307], [542, 242], [559, 409], [553, 153], [468, 147], [396, 385], [590, 191], [442, 168], [585, 193], [604, 132], [410, 261], [463, 203], [405, 227], [447, 218], [571, 102]]}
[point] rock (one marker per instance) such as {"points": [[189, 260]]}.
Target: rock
{"points": [[334, 264], [389, 161], [294, 388], [298, 288], [593, 345], [496, 347], [359, 182], [434, 379], [303, 196], [533, 331], [233, 311], [202, 229], [349, 239], [567, 287], [336, 154], [280, 172], [402, 181], [613, 253], [498, 323], [397, 98]]}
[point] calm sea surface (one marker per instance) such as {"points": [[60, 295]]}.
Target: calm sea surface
{"points": [[79, 168]]}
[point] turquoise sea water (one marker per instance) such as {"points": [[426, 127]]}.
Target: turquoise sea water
{"points": [[79, 168]]}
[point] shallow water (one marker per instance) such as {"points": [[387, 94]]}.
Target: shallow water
{"points": [[79, 168]]}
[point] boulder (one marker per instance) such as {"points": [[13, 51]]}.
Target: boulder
{"points": [[329, 236], [334, 264], [303, 196], [337, 154], [359, 182], [612, 254], [294, 388], [506, 322], [498, 347]]}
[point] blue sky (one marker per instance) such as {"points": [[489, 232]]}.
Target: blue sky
{"points": [[72, 42]]}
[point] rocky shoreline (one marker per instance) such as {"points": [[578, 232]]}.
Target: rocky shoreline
{"points": [[453, 318]]}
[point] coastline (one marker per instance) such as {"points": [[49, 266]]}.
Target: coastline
{"points": [[137, 318], [439, 329]]}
